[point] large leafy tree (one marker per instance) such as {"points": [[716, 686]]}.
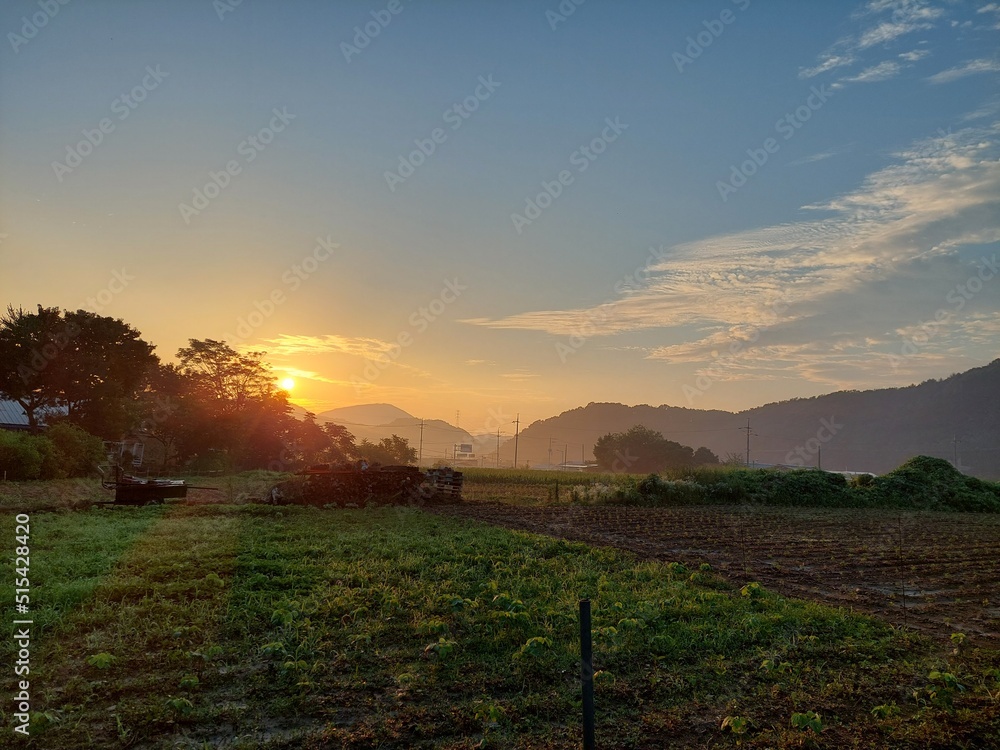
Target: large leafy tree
{"points": [[230, 404], [389, 451], [90, 365], [641, 450]]}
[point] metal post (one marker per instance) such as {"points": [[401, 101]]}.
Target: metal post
{"points": [[587, 675]]}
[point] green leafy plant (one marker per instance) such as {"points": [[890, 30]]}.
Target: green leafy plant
{"points": [[102, 661], [808, 720], [738, 725], [442, 649]]}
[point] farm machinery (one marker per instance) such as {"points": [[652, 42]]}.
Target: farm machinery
{"points": [[130, 490], [361, 485]]}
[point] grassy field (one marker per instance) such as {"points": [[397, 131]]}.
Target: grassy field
{"points": [[244, 626]]}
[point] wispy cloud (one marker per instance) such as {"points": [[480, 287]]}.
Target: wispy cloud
{"points": [[311, 375], [972, 67], [824, 295], [881, 22], [821, 156], [520, 375], [287, 345], [881, 72]]}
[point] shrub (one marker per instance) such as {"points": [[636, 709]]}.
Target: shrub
{"points": [[77, 451], [21, 455]]}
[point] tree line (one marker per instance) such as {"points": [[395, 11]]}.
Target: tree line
{"points": [[215, 408]]}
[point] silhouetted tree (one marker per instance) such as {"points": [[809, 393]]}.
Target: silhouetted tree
{"points": [[640, 450]]}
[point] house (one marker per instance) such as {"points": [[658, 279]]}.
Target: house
{"points": [[12, 416]]}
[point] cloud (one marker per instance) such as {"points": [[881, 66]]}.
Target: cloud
{"points": [[881, 72], [914, 55], [821, 156], [311, 375], [477, 362], [822, 297], [520, 375], [287, 345], [904, 17], [972, 67]]}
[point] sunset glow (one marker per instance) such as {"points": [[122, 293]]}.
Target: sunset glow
{"points": [[475, 211]]}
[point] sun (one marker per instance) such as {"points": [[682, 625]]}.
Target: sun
{"points": [[287, 384]]}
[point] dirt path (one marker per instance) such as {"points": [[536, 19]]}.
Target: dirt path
{"points": [[936, 572]]}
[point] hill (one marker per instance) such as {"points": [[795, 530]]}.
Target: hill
{"points": [[954, 418], [364, 414]]}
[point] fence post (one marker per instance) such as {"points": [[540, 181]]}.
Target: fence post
{"points": [[587, 675]]}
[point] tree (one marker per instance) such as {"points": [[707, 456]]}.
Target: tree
{"points": [[29, 342], [704, 457], [640, 450], [342, 448], [229, 405], [101, 372], [87, 364], [394, 451]]}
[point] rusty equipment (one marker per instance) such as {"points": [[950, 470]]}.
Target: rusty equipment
{"points": [[130, 490], [327, 484]]}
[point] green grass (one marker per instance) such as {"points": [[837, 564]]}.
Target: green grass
{"points": [[261, 627]]}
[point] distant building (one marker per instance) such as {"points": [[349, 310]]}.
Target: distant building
{"points": [[12, 416]]}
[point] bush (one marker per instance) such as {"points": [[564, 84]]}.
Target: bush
{"points": [[63, 451], [22, 455], [932, 484], [77, 451]]}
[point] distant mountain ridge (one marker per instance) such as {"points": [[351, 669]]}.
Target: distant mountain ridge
{"points": [[954, 418], [957, 418]]}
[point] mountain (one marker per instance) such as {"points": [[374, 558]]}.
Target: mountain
{"points": [[298, 412], [363, 414], [376, 421], [955, 418]]}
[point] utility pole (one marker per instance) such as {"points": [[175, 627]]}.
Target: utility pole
{"points": [[498, 447], [550, 450], [517, 427], [457, 414], [748, 441], [420, 453]]}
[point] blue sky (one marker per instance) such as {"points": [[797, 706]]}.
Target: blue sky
{"points": [[808, 191]]}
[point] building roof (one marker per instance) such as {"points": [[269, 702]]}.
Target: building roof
{"points": [[11, 414]]}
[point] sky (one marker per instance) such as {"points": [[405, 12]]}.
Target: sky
{"points": [[472, 209]]}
